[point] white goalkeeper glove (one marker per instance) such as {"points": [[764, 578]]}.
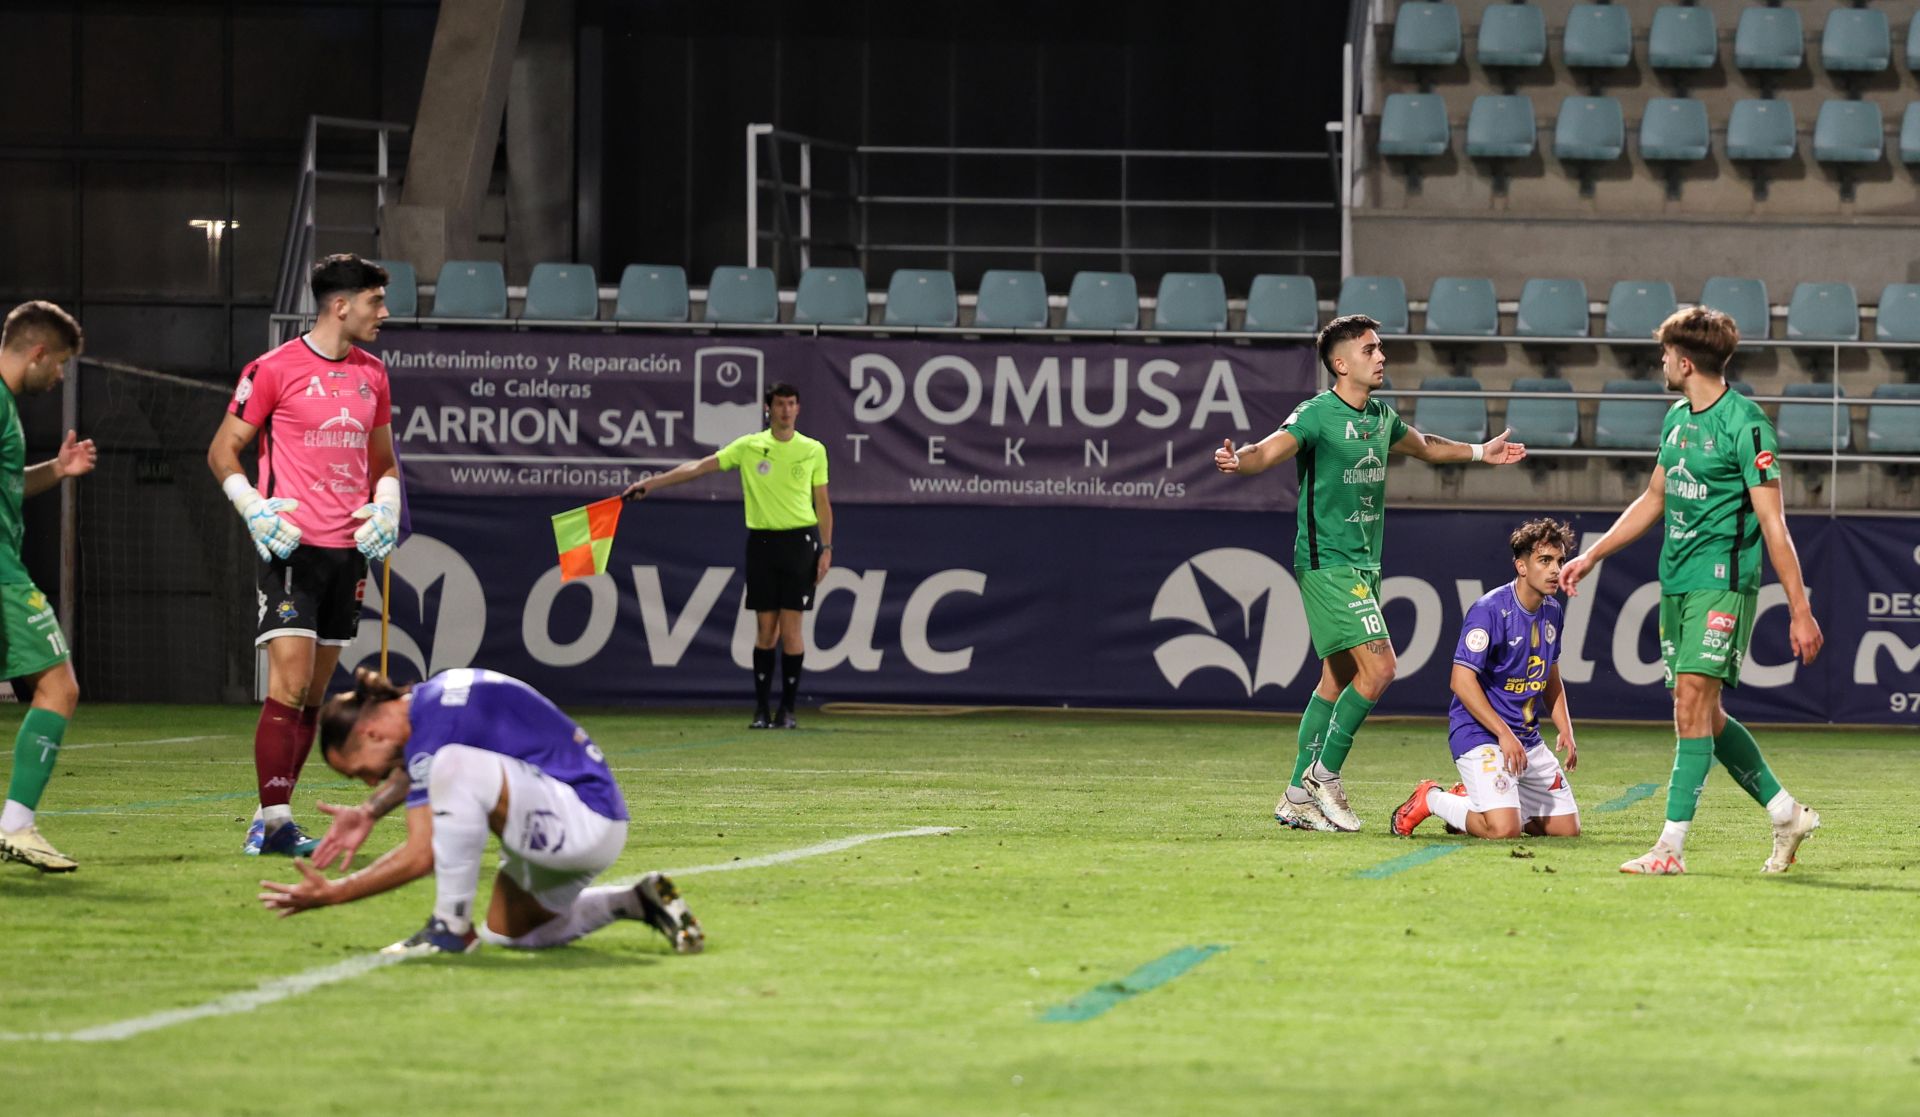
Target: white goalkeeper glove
{"points": [[377, 536], [274, 536]]}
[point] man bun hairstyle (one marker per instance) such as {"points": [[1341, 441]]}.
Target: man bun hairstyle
{"points": [[1703, 335], [343, 711], [1344, 328], [1546, 530], [43, 323], [343, 273]]}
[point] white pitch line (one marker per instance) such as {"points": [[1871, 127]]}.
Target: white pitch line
{"points": [[150, 741], [281, 988]]}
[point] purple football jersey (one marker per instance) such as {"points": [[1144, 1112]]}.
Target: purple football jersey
{"points": [[1512, 651]]}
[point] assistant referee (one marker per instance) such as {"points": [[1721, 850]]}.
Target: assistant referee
{"points": [[783, 476]]}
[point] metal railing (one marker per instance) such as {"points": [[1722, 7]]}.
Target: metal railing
{"points": [[292, 299], [801, 207]]}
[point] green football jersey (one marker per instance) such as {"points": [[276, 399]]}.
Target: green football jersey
{"points": [[1712, 457], [13, 489], [1343, 480]]}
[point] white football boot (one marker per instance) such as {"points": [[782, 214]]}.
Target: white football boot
{"points": [[1788, 835]]}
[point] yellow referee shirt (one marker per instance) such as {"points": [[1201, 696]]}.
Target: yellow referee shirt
{"points": [[777, 478]]}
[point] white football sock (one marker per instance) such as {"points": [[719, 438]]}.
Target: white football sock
{"points": [[16, 816], [1674, 835], [1322, 773], [1780, 808], [463, 788], [595, 908], [1298, 796], [276, 816], [1452, 808]]}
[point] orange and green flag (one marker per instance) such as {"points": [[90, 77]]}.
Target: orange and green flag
{"points": [[585, 537]]}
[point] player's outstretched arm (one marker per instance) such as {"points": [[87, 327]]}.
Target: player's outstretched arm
{"points": [[1555, 696], [1803, 633], [1431, 448], [1646, 510], [400, 865], [679, 474], [1466, 687], [74, 459], [1257, 458], [352, 825]]}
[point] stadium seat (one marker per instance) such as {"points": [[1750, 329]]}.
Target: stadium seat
{"points": [[1598, 37], [742, 295], [1769, 39], [1545, 422], [1898, 315], [1381, 297], [1629, 424], [1894, 430], [1463, 308], [1500, 127], [562, 293], [1745, 300], [651, 293], [1823, 312], [1910, 130], [1190, 301], [831, 297], [403, 288], [470, 289], [1011, 300], [1552, 308], [1426, 34], [1103, 300], [1512, 35], [1590, 130], [1913, 45], [1856, 40], [921, 297], [1674, 131], [1414, 126], [1682, 38], [1287, 304], [1814, 426], [1461, 419], [1846, 134], [1742, 387], [1636, 307], [1761, 132]]}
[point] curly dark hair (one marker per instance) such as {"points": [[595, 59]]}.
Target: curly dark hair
{"points": [[1547, 530]]}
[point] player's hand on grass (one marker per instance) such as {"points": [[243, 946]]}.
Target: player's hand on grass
{"points": [[348, 831], [1571, 751], [313, 891], [76, 456], [1224, 459], [1503, 450], [1576, 568], [1804, 636], [1513, 754]]}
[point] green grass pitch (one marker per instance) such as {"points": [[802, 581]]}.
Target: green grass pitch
{"points": [[982, 971]]}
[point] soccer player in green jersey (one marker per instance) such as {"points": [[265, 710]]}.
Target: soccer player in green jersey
{"points": [[36, 343], [1340, 440], [1716, 491], [783, 477]]}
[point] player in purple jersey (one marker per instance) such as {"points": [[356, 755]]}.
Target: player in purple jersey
{"points": [[473, 752], [1507, 666]]}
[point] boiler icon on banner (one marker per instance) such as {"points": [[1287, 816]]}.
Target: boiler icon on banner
{"points": [[728, 382]]}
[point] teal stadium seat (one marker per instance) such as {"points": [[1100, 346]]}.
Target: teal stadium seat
{"points": [[1545, 422], [1512, 35], [1762, 130], [1823, 312], [742, 295], [1463, 308], [1380, 297], [403, 288], [1910, 130], [1744, 300], [1636, 307], [470, 289], [1629, 424], [1682, 38], [1103, 300], [1674, 129], [651, 293], [1894, 430], [1769, 39], [1500, 126], [1913, 45], [1590, 128], [1011, 300], [831, 297], [1598, 37], [1426, 34], [1190, 301], [1552, 308], [1742, 387], [1856, 40], [1414, 125], [1458, 418], [1285, 304], [1898, 315], [1848, 132], [921, 297], [562, 293], [1814, 426]]}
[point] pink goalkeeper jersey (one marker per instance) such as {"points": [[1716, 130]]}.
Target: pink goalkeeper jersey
{"points": [[314, 415]]}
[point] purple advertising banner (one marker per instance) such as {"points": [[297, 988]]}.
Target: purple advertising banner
{"points": [[575, 416]]}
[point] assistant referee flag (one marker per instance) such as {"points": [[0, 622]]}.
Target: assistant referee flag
{"points": [[585, 537]]}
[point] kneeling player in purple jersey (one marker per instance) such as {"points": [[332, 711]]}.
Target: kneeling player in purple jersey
{"points": [[475, 752], [1505, 667]]}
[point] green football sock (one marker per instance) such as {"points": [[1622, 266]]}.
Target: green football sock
{"points": [[1348, 713], [1691, 759], [35, 751], [1737, 751], [1313, 735]]}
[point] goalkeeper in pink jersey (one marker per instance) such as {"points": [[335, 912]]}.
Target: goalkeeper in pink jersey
{"points": [[328, 499]]}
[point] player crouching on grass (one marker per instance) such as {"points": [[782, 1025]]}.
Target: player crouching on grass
{"points": [[473, 752], [1505, 667]]}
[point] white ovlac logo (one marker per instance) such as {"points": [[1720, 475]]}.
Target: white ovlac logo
{"points": [[1247, 577]]}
